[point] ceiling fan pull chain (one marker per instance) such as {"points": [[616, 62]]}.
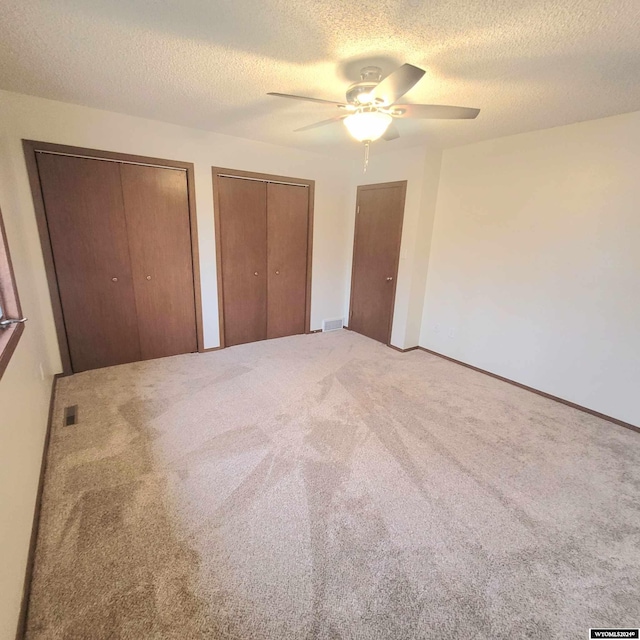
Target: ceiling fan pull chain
{"points": [[366, 155]]}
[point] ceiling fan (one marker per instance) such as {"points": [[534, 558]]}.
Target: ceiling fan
{"points": [[371, 105]]}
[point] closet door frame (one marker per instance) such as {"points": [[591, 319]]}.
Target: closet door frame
{"points": [[263, 177], [31, 148]]}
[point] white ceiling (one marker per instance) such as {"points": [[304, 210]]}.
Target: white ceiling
{"points": [[528, 64]]}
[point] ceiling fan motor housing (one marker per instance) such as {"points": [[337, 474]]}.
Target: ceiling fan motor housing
{"points": [[369, 78]]}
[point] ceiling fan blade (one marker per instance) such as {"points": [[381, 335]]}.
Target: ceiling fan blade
{"points": [[391, 133], [322, 123], [320, 100], [396, 84], [435, 112]]}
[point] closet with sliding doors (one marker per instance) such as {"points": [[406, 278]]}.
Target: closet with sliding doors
{"points": [[117, 239], [264, 228]]}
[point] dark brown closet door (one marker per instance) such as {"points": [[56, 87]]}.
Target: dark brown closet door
{"points": [[287, 227], [243, 248], [85, 216], [157, 212], [380, 210]]}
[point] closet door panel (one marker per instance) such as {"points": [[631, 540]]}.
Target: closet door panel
{"points": [[156, 206], [243, 246], [287, 233], [87, 228]]}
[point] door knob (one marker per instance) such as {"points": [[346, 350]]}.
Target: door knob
{"points": [[148, 277], [255, 273], [389, 279], [277, 273], [114, 279]]}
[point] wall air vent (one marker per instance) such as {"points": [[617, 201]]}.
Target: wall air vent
{"points": [[332, 325]]}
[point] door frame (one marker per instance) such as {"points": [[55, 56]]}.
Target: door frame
{"points": [[261, 177], [359, 190], [31, 148]]}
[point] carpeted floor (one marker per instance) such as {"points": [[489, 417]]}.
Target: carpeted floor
{"points": [[328, 487]]}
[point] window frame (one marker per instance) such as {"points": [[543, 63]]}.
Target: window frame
{"points": [[14, 332]]}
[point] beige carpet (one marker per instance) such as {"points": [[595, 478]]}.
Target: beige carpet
{"points": [[328, 487]]}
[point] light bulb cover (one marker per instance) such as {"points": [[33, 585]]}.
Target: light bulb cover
{"points": [[367, 125]]}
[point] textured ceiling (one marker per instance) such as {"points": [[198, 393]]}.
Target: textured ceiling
{"points": [[528, 64]]}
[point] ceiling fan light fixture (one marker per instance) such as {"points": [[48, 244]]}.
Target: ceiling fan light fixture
{"points": [[367, 125]]}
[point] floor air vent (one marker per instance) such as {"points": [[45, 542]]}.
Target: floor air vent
{"points": [[332, 325], [71, 415]]}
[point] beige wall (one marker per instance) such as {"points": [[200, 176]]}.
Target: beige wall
{"points": [[535, 263], [24, 395], [420, 167], [25, 390]]}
